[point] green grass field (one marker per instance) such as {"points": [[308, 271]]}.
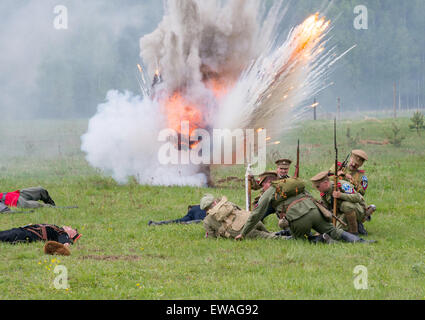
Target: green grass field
{"points": [[120, 257]]}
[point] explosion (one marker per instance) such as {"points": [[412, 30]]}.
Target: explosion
{"points": [[213, 65]]}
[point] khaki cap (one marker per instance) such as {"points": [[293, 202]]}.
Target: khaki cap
{"points": [[206, 201], [361, 154], [283, 163], [320, 177], [265, 175]]}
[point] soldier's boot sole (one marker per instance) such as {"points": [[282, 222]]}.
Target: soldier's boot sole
{"points": [[351, 218]]}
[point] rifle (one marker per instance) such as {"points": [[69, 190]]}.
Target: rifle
{"points": [[70, 207], [297, 167], [154, 223], [21, 211], [248, 188], [336, 174], [344, 164]]}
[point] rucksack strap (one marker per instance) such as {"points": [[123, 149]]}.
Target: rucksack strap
{"points": [[40, 231], [283, 213]]}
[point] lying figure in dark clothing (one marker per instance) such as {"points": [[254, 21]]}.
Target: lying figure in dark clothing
{"points": [[58, 239], [194, 215], [40, 232]]}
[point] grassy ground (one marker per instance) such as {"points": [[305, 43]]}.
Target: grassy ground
{"points": [[120, 257]]}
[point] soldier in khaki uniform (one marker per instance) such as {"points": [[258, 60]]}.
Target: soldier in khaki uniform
{"points": [[225, 219], [356, 177], [352, 172], [299, 210], [265, 180], [351, 206], [282, 170]]}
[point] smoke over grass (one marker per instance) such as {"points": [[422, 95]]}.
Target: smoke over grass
{"points": [[50, 73]]}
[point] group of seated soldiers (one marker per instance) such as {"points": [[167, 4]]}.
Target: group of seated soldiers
{"points": [[297, 210]]}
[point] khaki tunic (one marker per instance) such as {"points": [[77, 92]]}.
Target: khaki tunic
{"points": [[300, 211], [358, 179]]}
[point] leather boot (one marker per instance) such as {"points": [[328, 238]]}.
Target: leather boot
{"points": [[283, 233], [351, 218], [321, 238], [48, 200], [348, 237], [362, 229]]}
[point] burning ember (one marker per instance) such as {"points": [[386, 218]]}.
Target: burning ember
{"points": [[309, 33]]}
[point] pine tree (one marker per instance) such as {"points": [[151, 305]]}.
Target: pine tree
{"points": [[417, 122]]}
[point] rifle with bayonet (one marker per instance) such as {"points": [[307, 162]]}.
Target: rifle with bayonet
{"points": [[335, 176], [297, 167], [248, 188]]}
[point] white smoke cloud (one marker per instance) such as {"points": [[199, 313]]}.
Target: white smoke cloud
{"points": [[196, 35], [122, 140], [29, 41]]}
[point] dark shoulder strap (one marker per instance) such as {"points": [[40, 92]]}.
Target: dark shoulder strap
{"points": [[38, 230]]}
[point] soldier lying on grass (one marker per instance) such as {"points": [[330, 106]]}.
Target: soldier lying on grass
{"points": [[58, 239], [26, 198]]}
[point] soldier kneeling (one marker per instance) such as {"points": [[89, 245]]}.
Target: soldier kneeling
{"points": [[298, 210], [351, 206]]}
